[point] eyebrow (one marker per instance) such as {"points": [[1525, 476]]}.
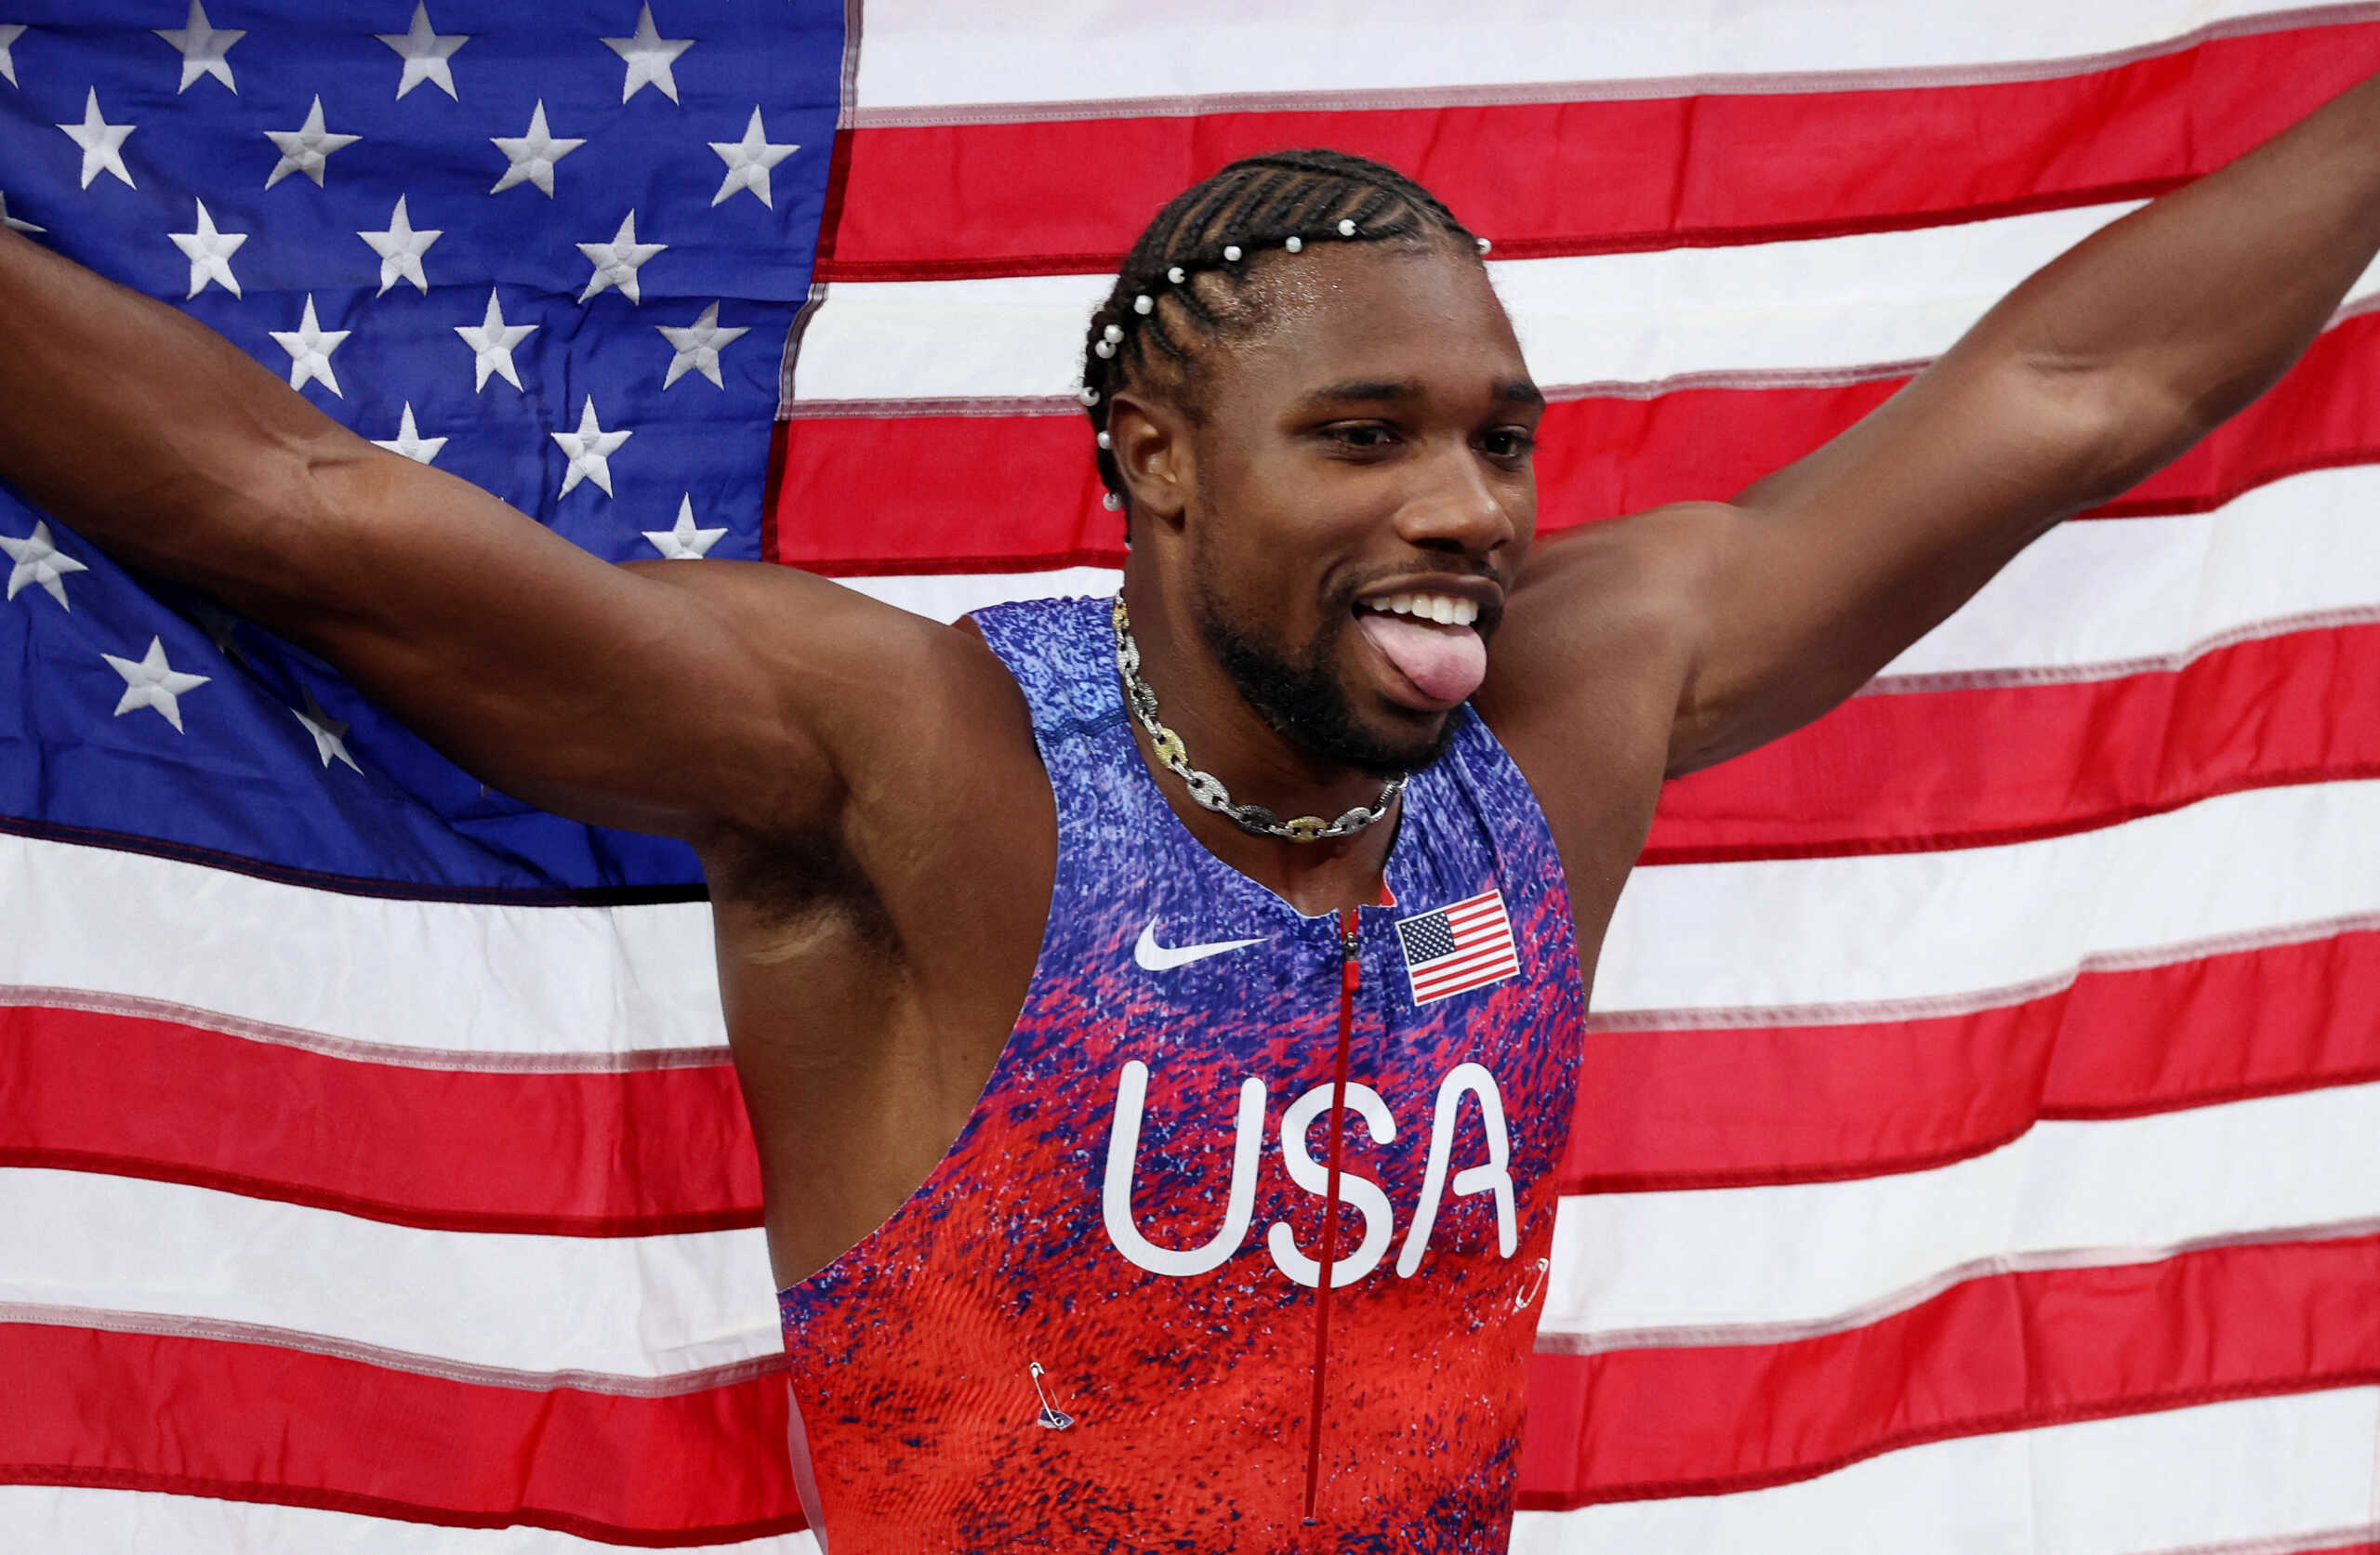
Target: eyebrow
{"points": [[1395, 391]]}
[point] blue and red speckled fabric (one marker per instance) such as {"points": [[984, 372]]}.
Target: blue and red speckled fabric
{"points": [[1165, 1284]]}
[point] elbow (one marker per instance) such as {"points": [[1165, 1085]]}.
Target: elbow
{"points": [[2108, 426]]}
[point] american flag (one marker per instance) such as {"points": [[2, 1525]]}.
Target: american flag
{"points": [[1978, 1147], [1457, 948]]}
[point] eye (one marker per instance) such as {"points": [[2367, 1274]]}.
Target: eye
{"points": [[1359, 436], [1509, 442]]}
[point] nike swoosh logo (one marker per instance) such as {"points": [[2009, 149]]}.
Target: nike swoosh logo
{"points": [[1154, 957]]}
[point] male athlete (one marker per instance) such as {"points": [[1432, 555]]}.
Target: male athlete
{"points": [[1210, 1207]]}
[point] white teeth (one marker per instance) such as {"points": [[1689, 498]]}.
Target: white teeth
{"points": [[1444, 609]]}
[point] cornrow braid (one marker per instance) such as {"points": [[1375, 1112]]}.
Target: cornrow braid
{"points": [[1186, 277]]}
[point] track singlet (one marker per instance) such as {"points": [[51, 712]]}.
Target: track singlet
{"points": [[1093, 1327]]}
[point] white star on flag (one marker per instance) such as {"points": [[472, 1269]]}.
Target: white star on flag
{"points": [[103, 142], [492, 341], [38, 559], [209, 253], [9, 32], [152, 682], [330, 733], [203, 49], [749, 161], [532, 155], [12, 223], [400, 249], [426, 53], [410, 443], [590, 450], [683, 542], [650, 58], [310, 347], [698, 346], [305, 149], [617, 261]]}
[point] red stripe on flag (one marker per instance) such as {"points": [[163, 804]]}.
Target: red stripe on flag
{"points": [[999, 493], [1657, 1109], [256, 1422], [1977, 766], [1609, 175], [2004, 1352], [634, 1154], [1731, 1107], [1439, 986], [253, 1422]]}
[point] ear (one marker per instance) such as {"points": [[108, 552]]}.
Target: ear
{"points": [[1152, 448]]}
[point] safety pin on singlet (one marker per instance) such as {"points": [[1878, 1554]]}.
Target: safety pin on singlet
{"points": [[1536, 1282], [1051, 1418]]}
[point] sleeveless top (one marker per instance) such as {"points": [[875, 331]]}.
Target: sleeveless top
{"points": [[1093, 1327]]}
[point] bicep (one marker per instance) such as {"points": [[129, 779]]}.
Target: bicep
{"points": [[659, 697], [1814, 578]]}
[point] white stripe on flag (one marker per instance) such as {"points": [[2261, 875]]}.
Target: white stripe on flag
{"points": [[2123, 1191], [563, 980], [2086, 598], [1870, 302], [2185, 1480], [932, 53], [619, 1307], [1822, 934]]}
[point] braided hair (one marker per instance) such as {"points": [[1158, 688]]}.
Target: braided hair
{"points": [[1187, 277]]}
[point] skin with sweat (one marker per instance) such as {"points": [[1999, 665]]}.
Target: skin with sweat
{"points": [[839, 764]]}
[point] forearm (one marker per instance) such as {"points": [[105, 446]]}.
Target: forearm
{"points": [[2184, 311], [145, 430]]}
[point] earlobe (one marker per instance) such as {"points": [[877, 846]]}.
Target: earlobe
{"points": [[1153, 451]]}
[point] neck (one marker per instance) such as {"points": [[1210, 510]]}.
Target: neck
{"points": [[1224, 736]]}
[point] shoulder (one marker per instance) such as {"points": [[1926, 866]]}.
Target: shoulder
{"points": [[1616, 606], [1595, 652], [907, 709]]}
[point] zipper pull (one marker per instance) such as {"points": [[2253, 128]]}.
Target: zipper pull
{"points": [[1349, 951]]}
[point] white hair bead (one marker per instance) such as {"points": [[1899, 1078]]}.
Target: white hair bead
{"points": [[1089, 397], [1347, 227], [1294, 244], [1231, 252], [1175, 275], [1113, 333], [1484, 245], [1141, 304], [1111, 502], [1103, 349], [1105, 441]]}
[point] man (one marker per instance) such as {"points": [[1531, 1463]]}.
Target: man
{"points": [[1043, 1284]]}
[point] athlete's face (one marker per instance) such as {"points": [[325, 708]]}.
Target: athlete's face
{"points": [[1369, 441]]}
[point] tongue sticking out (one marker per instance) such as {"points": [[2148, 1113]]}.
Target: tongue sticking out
{"points": [[1445, 664]]}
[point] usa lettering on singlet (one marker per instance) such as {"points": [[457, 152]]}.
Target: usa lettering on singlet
{"points": [[1094, 1325]]}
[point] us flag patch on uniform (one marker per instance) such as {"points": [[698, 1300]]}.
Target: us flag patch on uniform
{"points": [[1451, 950]]}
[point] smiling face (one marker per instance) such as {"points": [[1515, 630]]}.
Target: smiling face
{"points": [[1354, 492]]}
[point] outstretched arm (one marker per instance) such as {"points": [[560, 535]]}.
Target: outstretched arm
{"points": [[2108, 364], [664, 697]]}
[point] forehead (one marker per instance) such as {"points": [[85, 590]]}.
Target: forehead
{"points": [[1370, 311]]}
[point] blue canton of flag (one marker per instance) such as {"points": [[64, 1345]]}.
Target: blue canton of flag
{"points": [[555, 250], [1452, 950]]}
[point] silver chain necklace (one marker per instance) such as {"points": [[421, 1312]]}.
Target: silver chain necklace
{"points": [[1206, 787]]}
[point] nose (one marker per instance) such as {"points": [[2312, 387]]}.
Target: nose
{"points": [[1455, 506]]}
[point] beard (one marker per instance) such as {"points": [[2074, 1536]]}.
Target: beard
{"points": [[1297, 693]]}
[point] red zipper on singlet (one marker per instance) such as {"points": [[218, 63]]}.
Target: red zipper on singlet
{"points": [[1350, 973]]}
